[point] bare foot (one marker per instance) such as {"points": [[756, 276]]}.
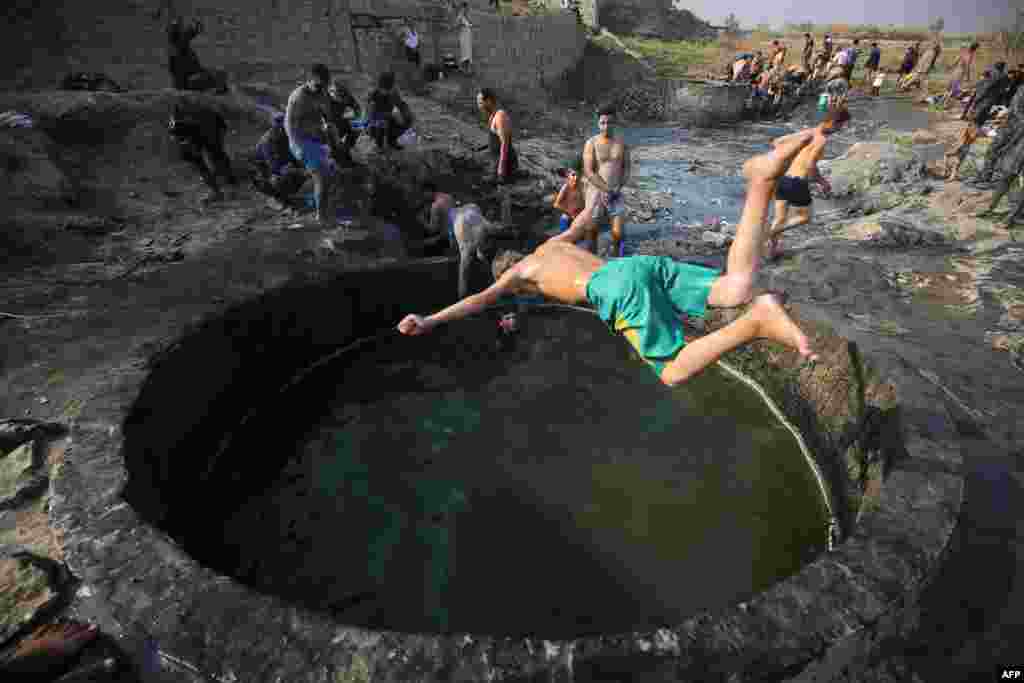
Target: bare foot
{"points": [[773, 164], [774, 323], [49, 649], [772, 249]]}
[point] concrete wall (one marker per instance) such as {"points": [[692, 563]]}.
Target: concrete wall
{"points": [[524, 52], [268, 40]]}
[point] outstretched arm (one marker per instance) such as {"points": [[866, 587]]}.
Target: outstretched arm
{"points": [[471, 305]]}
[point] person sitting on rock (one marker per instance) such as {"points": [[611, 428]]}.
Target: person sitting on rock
{"points": [[385, 123], [794, 189], [343, 136], [277, 172], [645, 297], [199, 133]]}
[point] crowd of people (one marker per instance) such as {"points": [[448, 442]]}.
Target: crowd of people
{"points": [[992, 100], [314, 137]]}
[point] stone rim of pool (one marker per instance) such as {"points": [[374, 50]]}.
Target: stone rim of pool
{"points": [[168, 417]]}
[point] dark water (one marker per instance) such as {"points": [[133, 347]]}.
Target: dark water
{"points": [[555, 488]]}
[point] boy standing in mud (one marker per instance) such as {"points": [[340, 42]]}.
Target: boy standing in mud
{"points": [[606, 169], [794, 189]]}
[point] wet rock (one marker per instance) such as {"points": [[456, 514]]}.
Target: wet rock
{"points": [[94, 225], [20, 476], [30, 586], [923, 136], [887, 231], [715, 239], [643, 102], [868, 164]]}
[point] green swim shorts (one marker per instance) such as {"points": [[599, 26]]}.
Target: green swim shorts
{"points": [[643, 297]]}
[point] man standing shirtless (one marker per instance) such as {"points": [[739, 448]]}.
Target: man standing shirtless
{"points": [[808, 54], [304, 122], [794, 187], [499, 135], [606, 169], [643, 297]]}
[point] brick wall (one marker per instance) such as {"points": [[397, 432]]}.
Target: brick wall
{"points": [[521, 52], [269, 40]]}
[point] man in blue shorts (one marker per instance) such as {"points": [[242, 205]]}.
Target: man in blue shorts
{"points": [[643, 297], [304, 121]]}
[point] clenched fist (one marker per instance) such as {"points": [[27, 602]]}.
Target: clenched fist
{"points": [[413, 325]]}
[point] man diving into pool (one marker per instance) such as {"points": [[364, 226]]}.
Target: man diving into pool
{"points": [[643, 297]]}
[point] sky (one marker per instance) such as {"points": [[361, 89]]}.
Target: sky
{"points": [[962, 16]]}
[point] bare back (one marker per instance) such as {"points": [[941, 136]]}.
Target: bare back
{"points": [[806, 161], [559, 271]]}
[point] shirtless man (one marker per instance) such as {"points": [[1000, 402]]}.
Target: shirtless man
{"points": [[808, 53], [644, 296], [499, 135], [304, 121], [794, 188], [606, 169]]}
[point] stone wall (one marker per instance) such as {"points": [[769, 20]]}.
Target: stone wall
{"points": [[704, 104], [515, 53], [269, 40]]}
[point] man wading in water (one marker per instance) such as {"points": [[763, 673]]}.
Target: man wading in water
{"points": [[794, 188], [643, 297], [606, 168]]}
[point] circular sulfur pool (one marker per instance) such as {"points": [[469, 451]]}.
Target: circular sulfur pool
{"points": [[545, 484]]}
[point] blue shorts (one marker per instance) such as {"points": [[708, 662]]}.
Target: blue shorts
{"points": [[311, 152]]}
